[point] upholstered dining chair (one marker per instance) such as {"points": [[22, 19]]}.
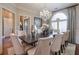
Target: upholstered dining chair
{"points": [[67, 33], [42, 48], [55, 47], [22, 35], [67, 37], [63, 42], [17, 46]]}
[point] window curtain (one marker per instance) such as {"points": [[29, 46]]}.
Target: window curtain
{"points": [[72, 24]]}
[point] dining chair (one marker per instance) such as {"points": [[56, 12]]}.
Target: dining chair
{"points": [[55, 47], [17, 45], [42, 48], [66, 38], [22, 35], [63, 42]]}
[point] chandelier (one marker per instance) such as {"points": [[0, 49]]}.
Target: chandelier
{"points": [[45, 14]]}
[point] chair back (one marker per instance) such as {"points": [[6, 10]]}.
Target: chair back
{"points": [[67, 36], [21, 33], [55, 46], [63, 38], [18, 48], [43, 47]]}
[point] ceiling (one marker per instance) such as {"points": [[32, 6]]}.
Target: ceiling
{"points": [[40, 6]]}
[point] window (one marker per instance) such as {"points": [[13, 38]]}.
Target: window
{"points": [[59, 23]]}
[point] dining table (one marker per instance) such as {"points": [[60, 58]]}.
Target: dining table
{"points": [[29, 41]]}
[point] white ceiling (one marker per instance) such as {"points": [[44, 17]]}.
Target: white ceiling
{"points": [[39, 6]]}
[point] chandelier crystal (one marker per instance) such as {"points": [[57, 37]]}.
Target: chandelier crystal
{"points": [[45, 14]]}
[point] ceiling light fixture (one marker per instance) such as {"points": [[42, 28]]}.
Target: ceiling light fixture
{"points": [[45, 14]]}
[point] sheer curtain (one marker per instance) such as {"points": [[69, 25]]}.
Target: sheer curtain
{"points": [[72, 23]]}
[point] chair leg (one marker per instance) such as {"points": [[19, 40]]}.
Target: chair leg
{"points": [[61, 48], [59, 52], [66, 43], [55, 53]]}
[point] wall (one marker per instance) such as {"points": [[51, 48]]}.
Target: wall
{"points": [[27, 12], [12, 8]]}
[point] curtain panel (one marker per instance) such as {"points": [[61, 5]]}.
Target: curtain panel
{"points": [[72, 24]]}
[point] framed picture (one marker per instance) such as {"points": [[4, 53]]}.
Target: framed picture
{"points": [[37, 22]]}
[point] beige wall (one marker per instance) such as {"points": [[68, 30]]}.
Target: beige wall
{"points": [[17, 12], [27, 12], [10, 7]]}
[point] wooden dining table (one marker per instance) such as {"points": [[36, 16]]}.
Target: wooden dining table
{"points": [[28, 40]]}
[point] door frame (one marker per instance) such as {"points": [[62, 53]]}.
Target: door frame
{"points": [[13, 25]]}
